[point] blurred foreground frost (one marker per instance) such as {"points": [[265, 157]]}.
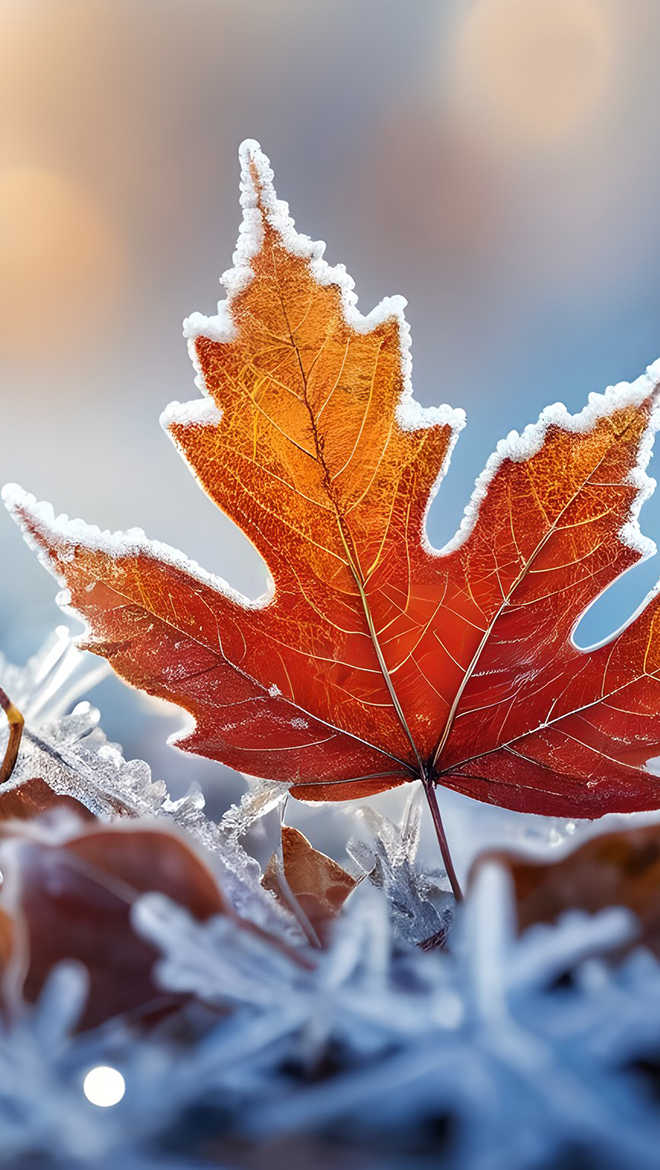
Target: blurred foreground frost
{"points": [[492, 1052]]}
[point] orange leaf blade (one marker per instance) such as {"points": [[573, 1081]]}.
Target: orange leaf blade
{"points": [[374, 659]]}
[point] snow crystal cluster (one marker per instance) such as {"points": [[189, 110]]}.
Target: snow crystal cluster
{"points": [[421, 1035]]}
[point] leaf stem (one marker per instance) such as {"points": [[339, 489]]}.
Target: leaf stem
{"points": [[16, 722], [429, 788]]}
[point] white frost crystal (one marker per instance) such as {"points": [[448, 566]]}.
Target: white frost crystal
{"points": [[490, 1053]]}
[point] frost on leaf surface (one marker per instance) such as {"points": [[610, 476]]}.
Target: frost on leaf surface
{"points": [[376, 660]]}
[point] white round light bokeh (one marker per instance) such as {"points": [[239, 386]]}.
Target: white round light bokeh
{"points": [[104, 1086]]}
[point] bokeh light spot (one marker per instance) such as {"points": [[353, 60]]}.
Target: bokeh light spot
{"points": [[104, 1086], [535, 69], [61, 263]]}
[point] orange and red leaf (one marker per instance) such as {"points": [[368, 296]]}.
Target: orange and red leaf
{"points": [[374, 659]]}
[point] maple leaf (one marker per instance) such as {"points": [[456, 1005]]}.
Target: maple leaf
{"points": [[376, 660]]}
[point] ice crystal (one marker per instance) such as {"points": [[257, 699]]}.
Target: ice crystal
{"points": [[381, 1051], [415, 1037], [67, 748], [70, 751], [420, 907]]}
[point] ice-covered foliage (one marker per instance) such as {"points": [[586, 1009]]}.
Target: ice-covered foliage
{"points": [[69, 750], [63, 742], [419, 1036], [378, 1051]]}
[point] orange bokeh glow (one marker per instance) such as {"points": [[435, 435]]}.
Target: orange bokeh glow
{"points": [[534, 71], [61, 262]]}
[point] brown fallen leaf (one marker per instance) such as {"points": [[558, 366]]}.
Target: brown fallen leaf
{"points": [[319, 884], [73, 900], [33, 798], [617, 869]]}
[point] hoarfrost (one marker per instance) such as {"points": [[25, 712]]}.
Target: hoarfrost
{"points": [[485, 1051], [70, 752], [421, 909], [479, 1034]]}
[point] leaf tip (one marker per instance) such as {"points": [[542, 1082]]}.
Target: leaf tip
{"points": [[256, 174], [15, 498], [653, 371], [32, 516], [263, 210]]}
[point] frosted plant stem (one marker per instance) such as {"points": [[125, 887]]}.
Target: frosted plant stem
{"points": [[429, 788], [15, 721]]}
